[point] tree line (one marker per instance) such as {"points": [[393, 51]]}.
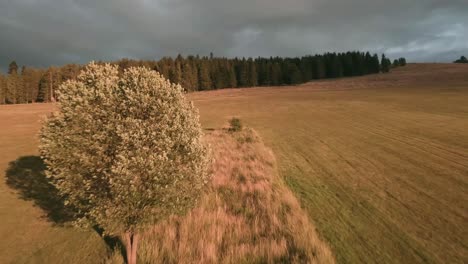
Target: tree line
{"points": [[462, 59], [196, 73]]}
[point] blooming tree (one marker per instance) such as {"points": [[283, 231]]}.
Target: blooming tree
{"points": [[125, 150]]}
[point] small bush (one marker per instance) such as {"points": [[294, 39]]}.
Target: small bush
{"points": [[246, 138], [235, 125]]}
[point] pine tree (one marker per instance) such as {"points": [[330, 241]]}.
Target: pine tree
{"points": [[402, 61], [375, 64], [320, 68], [306, 69], [294, 73], [462, 59], [195, 80], [13, 68], [187, 78], [232, 75], [204, 78], [262, 72], [358, 60], [164, 66], [367, 64], [252, 74], [175, 72], [385, 64], [276, 74], [2, 89], [219, 75], [68, 72], [338, 65], [349, 68], [243, 73], [12, 87], [189, 74], [47, 86], [21, 94], [24, 90]]}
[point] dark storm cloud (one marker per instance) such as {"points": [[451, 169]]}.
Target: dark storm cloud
{"points": [[45, 32]]}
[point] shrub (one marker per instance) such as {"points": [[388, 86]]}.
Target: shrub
{"points": [[462, 59], [125, 150], [402, 61], [235, 124]]}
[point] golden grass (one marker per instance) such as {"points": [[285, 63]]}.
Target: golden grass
{"points": [[27, 234], [380, 164], [247, 216]]}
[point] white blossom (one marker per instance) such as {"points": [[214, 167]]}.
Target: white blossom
{"points": [[125, 149]]}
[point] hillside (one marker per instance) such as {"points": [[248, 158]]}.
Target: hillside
{"points": [[379, 162]]}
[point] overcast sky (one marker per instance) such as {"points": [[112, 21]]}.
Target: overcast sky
{"points": [[55, 32]]}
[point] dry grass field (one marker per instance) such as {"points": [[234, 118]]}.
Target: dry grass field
{"points": [[380, 163], [29, 234], [248, 215]]}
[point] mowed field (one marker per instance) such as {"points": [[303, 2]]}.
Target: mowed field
{"points": [[380, 163]]}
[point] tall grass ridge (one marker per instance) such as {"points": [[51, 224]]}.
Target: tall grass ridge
{"points": [[247, 216]]}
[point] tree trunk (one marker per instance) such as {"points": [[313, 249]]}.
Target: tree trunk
{"points": [[52, 96], [131, 244], [134, 248]]}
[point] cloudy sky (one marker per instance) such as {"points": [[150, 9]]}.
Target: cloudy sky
{"points": [[54, 32]]}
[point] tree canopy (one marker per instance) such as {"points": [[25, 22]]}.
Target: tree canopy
{"points": [[462, 59], [125, 150]]}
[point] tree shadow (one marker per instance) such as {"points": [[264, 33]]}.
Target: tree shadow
{"points": [[27, 176], [113, 242]]}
